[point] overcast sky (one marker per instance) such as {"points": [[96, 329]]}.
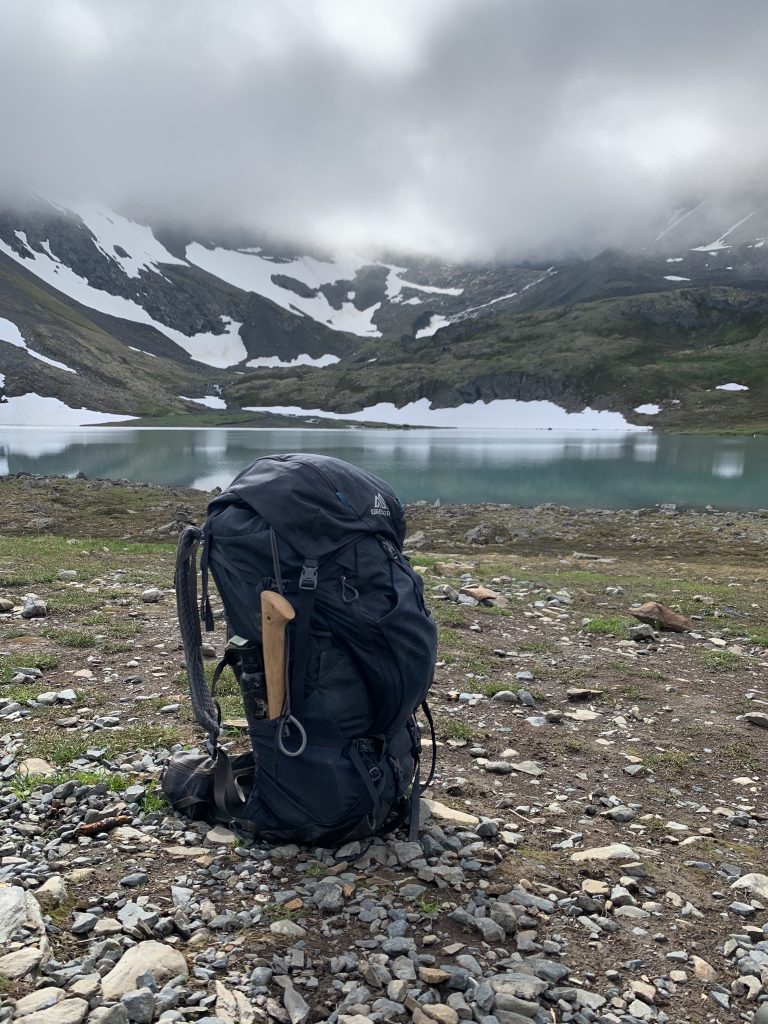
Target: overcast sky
{"points": [[459, 127]]}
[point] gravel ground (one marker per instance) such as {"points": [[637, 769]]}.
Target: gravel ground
{"points": [[593, 846]]}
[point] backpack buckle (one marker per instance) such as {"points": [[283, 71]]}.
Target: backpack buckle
{"points": [[308, 578]]}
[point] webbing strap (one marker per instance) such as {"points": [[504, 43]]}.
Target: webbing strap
{"points": [[226, 795], [305, 600], [369, 781], [189, 626]]}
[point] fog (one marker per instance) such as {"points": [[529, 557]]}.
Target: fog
{"points": [[465, 128]]}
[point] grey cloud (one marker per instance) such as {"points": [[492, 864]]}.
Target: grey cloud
{"points": [[464, 127]]}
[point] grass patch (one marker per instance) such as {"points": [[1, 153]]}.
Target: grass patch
{"points": [[759, 636], [671, 762], [446, 613], [452, 729], [58, 750], [153, 799], [23, 785], [428, 906], [72, 637], [720, 661], [603, 625], [276, 912], [117, 646], [316, 870], [537, 647]]}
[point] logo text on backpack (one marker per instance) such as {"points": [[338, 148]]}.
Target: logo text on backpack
{"points": [[380, 507]]}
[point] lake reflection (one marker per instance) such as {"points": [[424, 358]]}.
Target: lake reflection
{"points": [[590, 469]]}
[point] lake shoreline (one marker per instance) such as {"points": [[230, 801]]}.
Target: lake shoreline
{"points": [[101, 507]]}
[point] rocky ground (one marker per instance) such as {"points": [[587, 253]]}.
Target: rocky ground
{"points": [[593, 846]]}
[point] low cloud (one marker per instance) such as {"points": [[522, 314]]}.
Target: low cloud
{"points": [[468, 128]]}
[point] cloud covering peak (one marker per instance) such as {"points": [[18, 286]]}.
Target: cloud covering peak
{"points": [[459, 127]]}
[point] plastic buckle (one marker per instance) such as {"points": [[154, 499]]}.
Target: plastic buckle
{"points": [[308, 578], [376, 773]]}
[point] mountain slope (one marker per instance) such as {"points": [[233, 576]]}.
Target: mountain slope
{"points": [[105, 313]]}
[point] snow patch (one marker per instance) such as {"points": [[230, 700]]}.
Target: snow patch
{"points": [[720, 243], [436, 321], [10, 332], [210, 401], [302, 360], [32, 410], [219, 350], [674, 259], [396, 283], [142, 352], [110, 230], [731, 387], [499, 414], [648, 410], [672, 277], [252, 271]]}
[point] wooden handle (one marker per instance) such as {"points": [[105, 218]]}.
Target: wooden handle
{"points": [[276, 613]]}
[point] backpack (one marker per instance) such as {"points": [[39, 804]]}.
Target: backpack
{"points": [[338, 758]]}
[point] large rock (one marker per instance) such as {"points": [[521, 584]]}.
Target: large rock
{"points": [[161, 961], [616, 851], [71, 1011], [20, 963], [756, 884], [18, 909], [658, 615]]}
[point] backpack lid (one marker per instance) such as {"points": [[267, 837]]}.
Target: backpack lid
{"points": [[317, 503]]}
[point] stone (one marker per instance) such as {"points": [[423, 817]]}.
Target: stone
{"points": [[34, 608], [441, 1013], [70, 1011], [161, 961], [140, 1005], [53, 891], [433, 976], [42, 999], [21, 962], [703, 970], [444, 813], [152, 595], [757, 884], [616, 851], [35, 766], [528, 768], [523, 986], [220, 836], [288, 930], [658, 615], [18, 909], [298, 1008]]}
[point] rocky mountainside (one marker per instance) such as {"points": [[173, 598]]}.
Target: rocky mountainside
{"points": [[101, 312]]}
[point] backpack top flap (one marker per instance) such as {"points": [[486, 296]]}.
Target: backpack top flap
{"points": [[316, 502]]}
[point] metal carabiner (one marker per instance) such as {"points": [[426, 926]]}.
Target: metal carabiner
{"points": [[284, 726]]}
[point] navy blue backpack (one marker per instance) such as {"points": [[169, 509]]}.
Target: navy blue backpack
{"points": [[338, 759]]}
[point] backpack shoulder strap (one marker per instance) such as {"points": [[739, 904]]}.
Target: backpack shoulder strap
{"points": [[189, 626]]}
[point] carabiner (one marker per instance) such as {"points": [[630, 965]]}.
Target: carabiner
{"points": [[284, 728]]}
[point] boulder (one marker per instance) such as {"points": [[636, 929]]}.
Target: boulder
{"points": [[161, 961]]}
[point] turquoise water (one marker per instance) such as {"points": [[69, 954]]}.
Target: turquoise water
{"points": [[590, 469]]}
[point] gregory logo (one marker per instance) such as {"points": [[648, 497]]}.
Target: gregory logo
{"points": [[380, 507]]}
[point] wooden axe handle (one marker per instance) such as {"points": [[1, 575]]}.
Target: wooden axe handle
{"points": [[276, 613]]}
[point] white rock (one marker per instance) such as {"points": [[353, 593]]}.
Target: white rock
{"points": [[444, 813], [757, 885], [40, 1000], [35, 766], [71, 1011], [162, 961], [288, 929], [21, 962], [220, 836], [53, 891], [616, 851]]}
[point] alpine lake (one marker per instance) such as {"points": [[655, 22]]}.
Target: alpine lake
{"points": [[581, 469]]}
